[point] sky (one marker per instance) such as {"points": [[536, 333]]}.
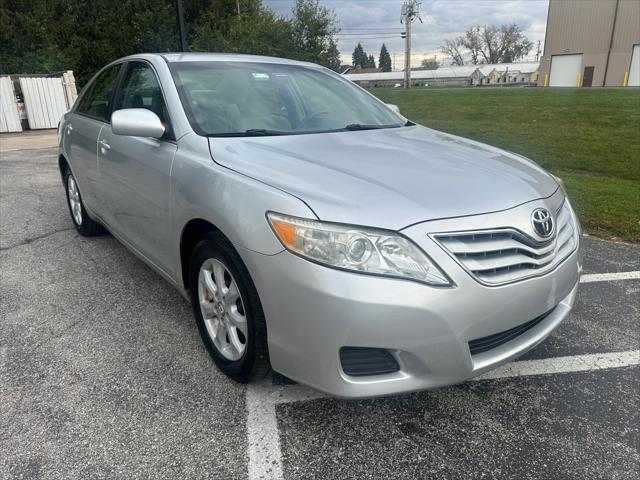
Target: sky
{"points": [[362, 20]]}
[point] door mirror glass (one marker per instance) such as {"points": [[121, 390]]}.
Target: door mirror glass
{"points": [[136, 122], [393, 107]]}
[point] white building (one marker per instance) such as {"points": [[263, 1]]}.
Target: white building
{"points": [[458, 76]]}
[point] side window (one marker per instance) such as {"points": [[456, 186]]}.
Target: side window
{"points": [[140, 89], [96, 102]]}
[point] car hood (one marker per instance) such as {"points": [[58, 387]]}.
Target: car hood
{"points": [[388, 178]]}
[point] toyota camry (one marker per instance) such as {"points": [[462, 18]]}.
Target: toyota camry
{"points": [[315, 230]]}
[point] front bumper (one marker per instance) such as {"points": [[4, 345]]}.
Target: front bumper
{"points": [[313, 311]]}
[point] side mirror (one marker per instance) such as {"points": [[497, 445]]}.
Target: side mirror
{"points": [[393, 107], [136, 122]]}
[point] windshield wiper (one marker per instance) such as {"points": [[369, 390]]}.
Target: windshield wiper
{"points": [[264, 131], [360, 126], [252, 132]]}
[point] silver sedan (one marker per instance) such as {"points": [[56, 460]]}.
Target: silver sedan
{"points": [[316, 231]]}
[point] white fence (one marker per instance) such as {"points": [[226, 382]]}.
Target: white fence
{"points": [[9, 116], [46, 99]]}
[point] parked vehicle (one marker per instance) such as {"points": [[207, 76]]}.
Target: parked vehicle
{"points": [[315, 230]]}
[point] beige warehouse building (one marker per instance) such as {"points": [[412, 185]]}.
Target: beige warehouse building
{"points": [[592, 43]]}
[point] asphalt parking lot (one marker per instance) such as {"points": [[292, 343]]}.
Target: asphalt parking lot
{"points": [[103, 375]]}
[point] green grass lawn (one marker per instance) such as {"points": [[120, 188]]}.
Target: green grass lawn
{"points": [[588, 137]]}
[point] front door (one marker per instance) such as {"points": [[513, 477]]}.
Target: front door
{"points": [[135, 172]]}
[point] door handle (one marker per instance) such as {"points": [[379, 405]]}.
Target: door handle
{"points": [[104, 145]]}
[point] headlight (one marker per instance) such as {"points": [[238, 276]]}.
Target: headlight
{"points": [[357, 249]]}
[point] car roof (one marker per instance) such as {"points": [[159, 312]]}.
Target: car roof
{"points": [[229, 57]]}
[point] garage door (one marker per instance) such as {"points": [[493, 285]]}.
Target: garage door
{"points": [[634, 72], [565, 70]]}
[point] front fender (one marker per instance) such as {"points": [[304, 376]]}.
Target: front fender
{"points": [[234, 203]]}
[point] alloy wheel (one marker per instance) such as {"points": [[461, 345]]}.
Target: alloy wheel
{"points": [[222, 309], [74, 200]]}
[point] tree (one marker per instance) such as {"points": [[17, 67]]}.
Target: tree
{"points": [[40, 36], [362, 58], [256, 30], [314, 27], [332, 57], [44, 36], [453, 48], [473, 42], [430, 63], [488, 44], [512, 44], [308, 34], [384, 60], [359, 57]]}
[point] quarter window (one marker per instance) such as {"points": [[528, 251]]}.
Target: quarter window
{"points": [[96, 102]]}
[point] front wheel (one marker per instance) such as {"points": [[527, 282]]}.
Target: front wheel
{"points": [[85, 225], [228, 310]]}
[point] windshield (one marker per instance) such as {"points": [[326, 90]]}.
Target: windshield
{"points": [[248, 99]]}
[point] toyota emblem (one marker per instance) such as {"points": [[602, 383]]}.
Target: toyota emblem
{"points": [[542, 222]]}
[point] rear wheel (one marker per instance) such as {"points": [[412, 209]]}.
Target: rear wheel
{"points": [[84, 224], [228, 310]]}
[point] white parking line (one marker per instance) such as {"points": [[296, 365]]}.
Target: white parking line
{"points": [[265, 456], [571, 364], [262, 425], [609, 277]]}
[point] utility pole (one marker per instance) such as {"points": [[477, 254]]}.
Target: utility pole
{"points": [[393, 66], [407, 56], [181, 32], [410, 11], [538, 52]]}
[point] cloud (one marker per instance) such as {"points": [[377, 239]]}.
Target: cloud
{"points": [[364, 20]]}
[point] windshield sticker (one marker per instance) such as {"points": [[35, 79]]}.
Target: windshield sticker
{"points": [[261, 76]]}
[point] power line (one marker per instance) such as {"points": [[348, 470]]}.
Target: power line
{"points": [[367, 37], [395, 34], [372, 28], [369, 33]]}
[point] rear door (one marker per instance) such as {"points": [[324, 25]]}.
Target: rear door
{"points": [[82, 131], [135, 172]]}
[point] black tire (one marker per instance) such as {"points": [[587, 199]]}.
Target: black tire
{"points": [[87, 227], [254, 363]]}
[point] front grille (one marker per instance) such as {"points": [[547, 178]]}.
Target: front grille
{"points": [[506, 255], [360, 361], [489, 342]]}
